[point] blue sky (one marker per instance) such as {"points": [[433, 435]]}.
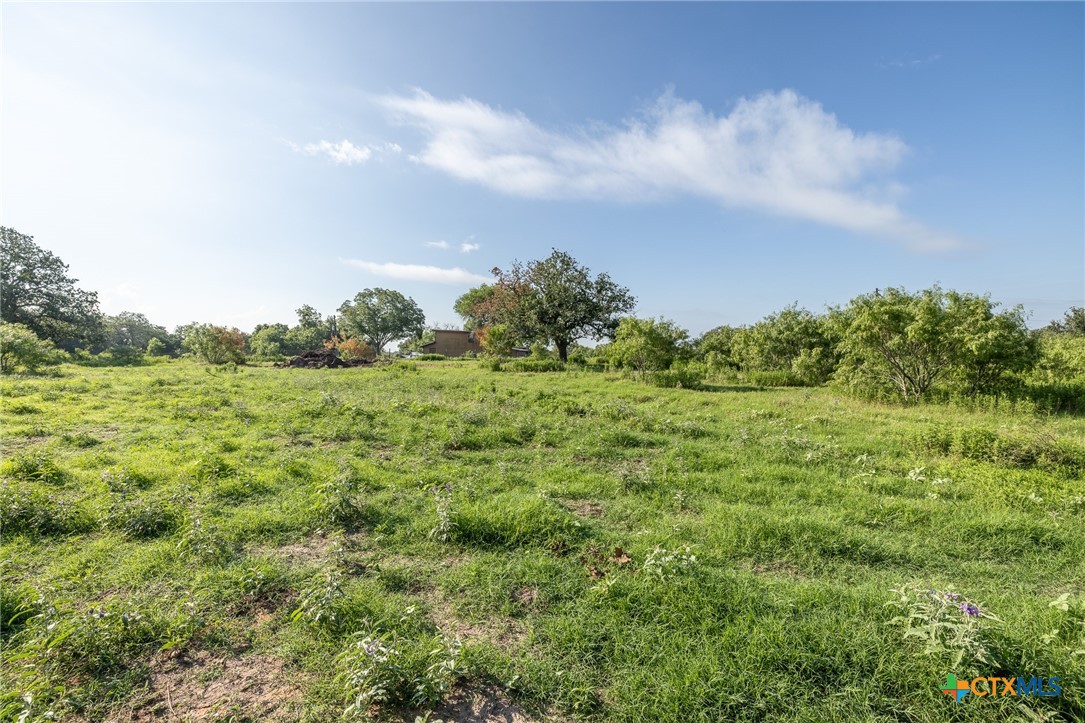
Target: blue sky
{"points": [[228, 163]]}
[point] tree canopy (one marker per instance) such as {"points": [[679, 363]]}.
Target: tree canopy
{"points": [[39, 294], [647, 344], [556, 299], [381, 316], [1072, 322], [910, 341], [129, 329]]}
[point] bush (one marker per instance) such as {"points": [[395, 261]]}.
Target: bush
{"points": [[125, 356], [22, 350], [647, 344], [352, 348], [1011, 450], [776, 379], [534, 365], [156, 347], [431, 357], [215, 344]]}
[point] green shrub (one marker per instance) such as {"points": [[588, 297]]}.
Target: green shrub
{"points": [[156, 347], [124, 356], [24, 510], [776, 379], [1011, 450], [139, 518], [214, 344], [431, 357], [22, 350], [535, 365]]}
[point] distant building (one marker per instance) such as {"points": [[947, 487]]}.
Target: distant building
{"points": [[451, 342]]}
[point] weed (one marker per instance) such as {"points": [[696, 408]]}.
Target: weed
{"points": [[25, 510], [945, 622], [335, 499], [446, 524], [140, 518], [33, 467], [203, 542], [382, 667], [667, 565], [318, 605]]}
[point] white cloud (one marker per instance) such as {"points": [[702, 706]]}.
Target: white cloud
{"points": [[342, 153], [466, 248], [437, 244], [911, 62], [346, 153], [417, 272], [777, 152]]}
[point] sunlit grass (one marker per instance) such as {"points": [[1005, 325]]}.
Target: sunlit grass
{"points": [[603, 549]]}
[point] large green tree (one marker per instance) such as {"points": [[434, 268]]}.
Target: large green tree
{"points": [[381, 316], [911, 341], [991, 344], [557, 300], [36, 291], [129, 329]]}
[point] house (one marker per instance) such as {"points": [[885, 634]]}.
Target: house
{"points": [[451, 342]]}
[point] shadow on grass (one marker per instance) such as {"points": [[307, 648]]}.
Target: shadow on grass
{"points": [[730, 388]]}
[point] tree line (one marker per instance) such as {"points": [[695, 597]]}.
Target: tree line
{"points": [[887, 343]]}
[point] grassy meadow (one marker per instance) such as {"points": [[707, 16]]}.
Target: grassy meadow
{"points": [[441, 541]]}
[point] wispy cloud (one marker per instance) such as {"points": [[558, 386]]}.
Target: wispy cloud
{"points": [[417, 272], [911, 62], [466, 248], [777, 152], [342, 152], [437, 244]]}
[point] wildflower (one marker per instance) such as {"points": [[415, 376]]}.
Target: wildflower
{"points": [[970, 610], [952, 596]]}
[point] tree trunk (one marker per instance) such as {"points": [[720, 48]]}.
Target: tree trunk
{"points": [[563, 349]]}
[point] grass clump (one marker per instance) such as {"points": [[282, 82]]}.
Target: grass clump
{"points": [[33, 467], [534, 365]]}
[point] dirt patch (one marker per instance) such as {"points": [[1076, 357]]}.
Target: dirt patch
{"points": [[305, 552], [316, 548], [505, 633], [481, 704], [207, 687], [584, 508], [526, 596]]}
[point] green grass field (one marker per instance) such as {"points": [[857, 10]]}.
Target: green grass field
{"points": [[268, 544]]}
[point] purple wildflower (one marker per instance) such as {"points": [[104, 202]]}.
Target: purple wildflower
{"points": [[952, 596], [970, 610]]}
